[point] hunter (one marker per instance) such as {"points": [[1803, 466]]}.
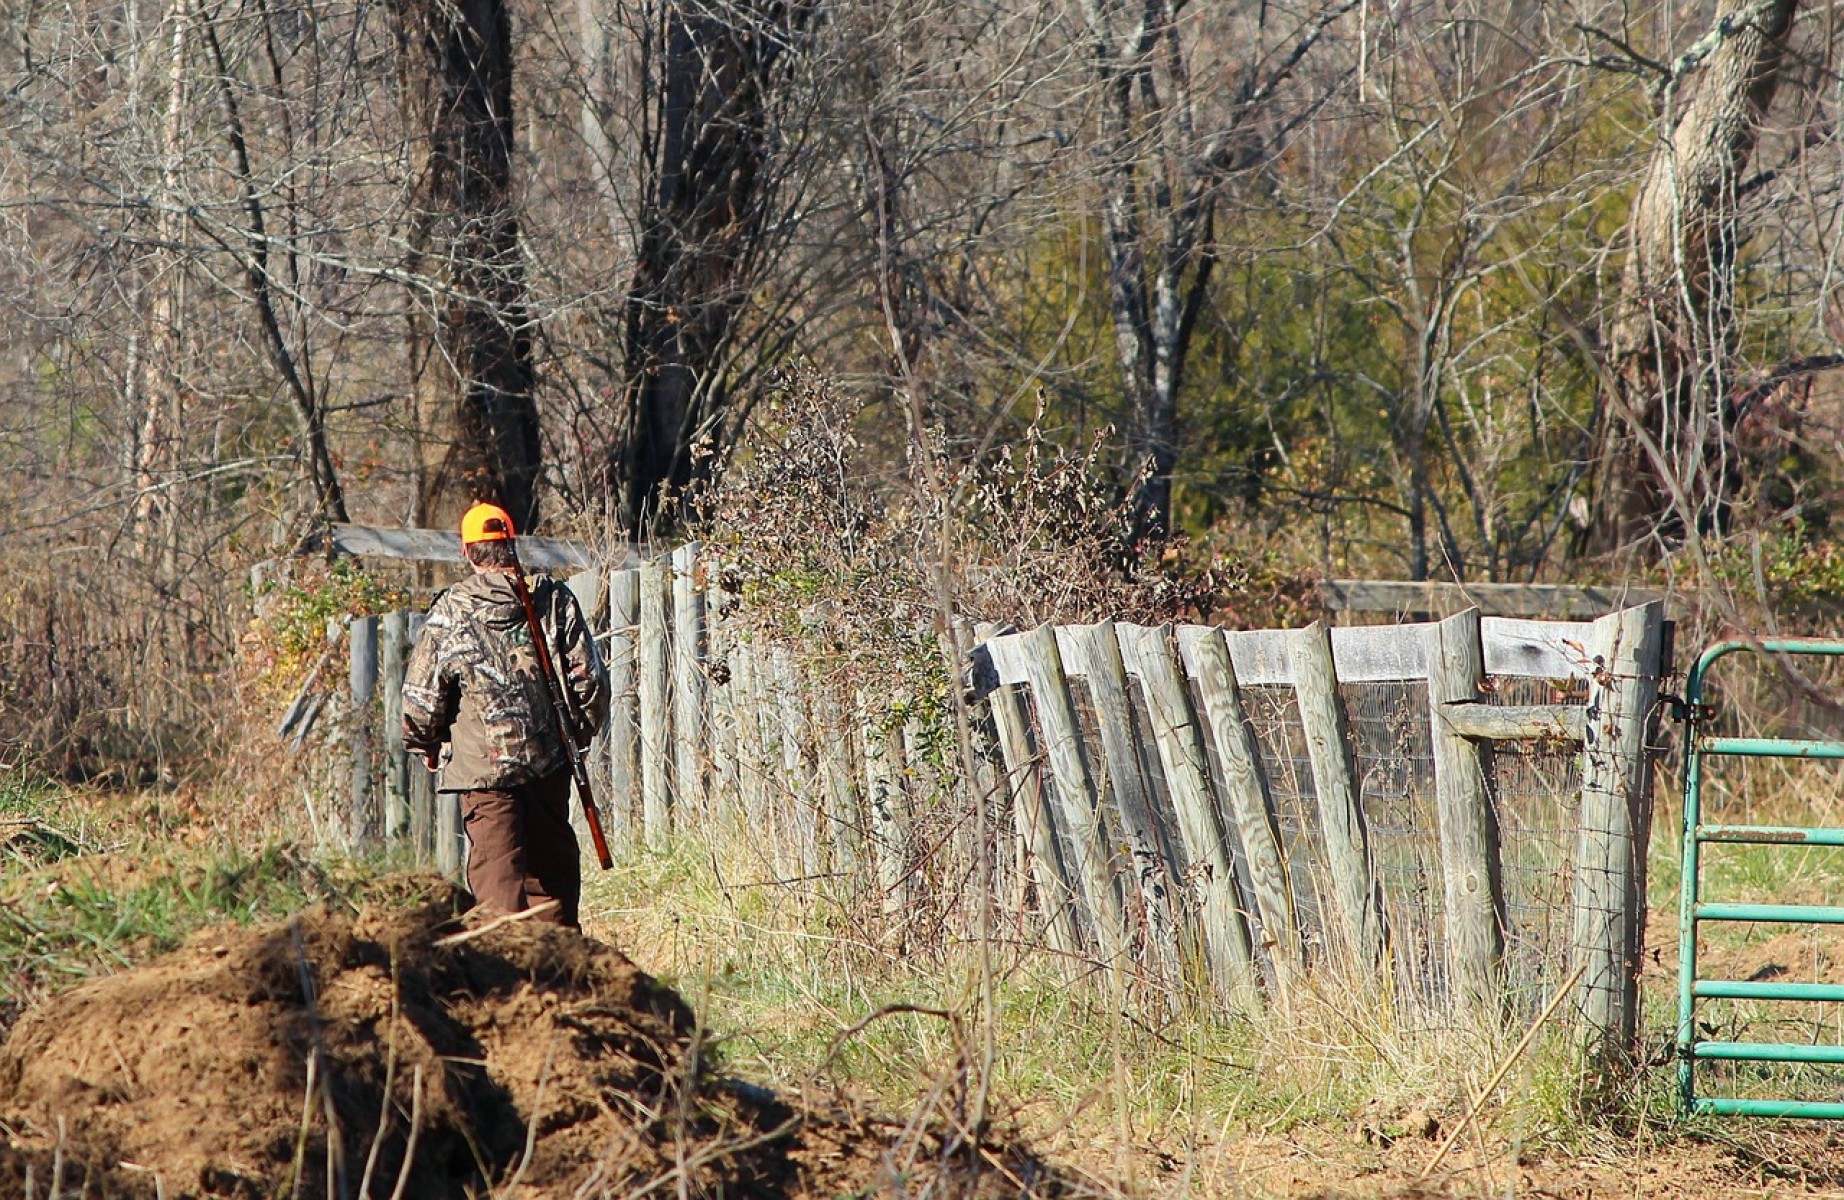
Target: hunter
{"points": [[474, 683]]}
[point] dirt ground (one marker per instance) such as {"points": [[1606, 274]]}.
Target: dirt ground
{"points": [[1327, 1165], [380, 1056]]}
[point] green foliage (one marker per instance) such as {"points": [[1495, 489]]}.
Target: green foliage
{"points": [[290, 629], [1788, 567], [297, 614], [67, 920]]}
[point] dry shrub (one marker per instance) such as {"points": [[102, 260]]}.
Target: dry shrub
{"points": [[848, 576], [106, 674], [826, 551]]}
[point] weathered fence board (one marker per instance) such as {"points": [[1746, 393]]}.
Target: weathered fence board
{"points": [[450, 836], [1187, 776], [624, 703], [1149, 859], [422, 780], [790, 703], [393, 653], [751, 757], [883, 801], [1470, 870], [1616, 815], [1535, 649], [1561, 601], [720, 709], [842, 822], [1078, 802], [1361, 653], [690, 746], [1250, 805], [1341, 815], [444, 545], [655, 687], [1024, 779], [363, 634], [1515, 722]]}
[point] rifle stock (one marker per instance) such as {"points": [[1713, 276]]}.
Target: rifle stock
{"points": [[560, 712]]}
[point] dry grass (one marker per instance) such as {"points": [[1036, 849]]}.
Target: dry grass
{"points": [[780, 970]]}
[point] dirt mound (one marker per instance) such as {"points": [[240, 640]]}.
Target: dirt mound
{"points": [[383, 1056]]}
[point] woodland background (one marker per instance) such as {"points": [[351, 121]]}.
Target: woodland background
{"points": [[1109, 306]]}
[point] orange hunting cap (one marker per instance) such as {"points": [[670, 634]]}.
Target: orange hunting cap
{"points": [[485, 523]]}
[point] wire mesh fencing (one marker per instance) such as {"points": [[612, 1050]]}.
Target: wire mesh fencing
{"points": [[1191, 812], [1105, 818]]}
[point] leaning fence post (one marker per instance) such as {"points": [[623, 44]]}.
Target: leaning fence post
{"points": [[688, 658], [1151, 864], [363, 644], [1078, 802], [1251, 805], [655, 705], [1024, 778], [1341, 817], [623, 703], [1187, 775], [1470, 867], [393, 650], [1616, 813]]}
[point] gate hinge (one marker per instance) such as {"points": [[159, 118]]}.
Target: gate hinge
{"points": [[1682, 710]]}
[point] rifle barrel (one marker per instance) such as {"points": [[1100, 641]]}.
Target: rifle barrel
{"points": [[560, 713]]}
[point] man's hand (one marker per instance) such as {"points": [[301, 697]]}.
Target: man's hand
{"points": [[433, 758]]}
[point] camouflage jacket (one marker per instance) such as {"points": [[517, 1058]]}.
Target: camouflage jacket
{"points": [[473, 682]]}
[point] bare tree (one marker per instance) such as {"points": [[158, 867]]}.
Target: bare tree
{"points": [[1666, 463], [476, 415], [711, 76], [1464, 240], [1163, 166]]}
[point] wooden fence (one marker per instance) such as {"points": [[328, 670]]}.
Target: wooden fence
{"points": [[1245, 810]]}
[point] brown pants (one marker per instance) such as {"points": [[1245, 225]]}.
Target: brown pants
{"points": [[521, 849]]}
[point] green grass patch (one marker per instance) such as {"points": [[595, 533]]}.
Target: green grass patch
{"points": [[74, 918], [93, 882]]}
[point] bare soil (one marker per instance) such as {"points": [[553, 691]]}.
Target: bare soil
{"points": [[361, 1057], [1317, 1164]]}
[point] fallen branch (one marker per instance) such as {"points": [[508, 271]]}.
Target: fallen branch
{"points": [[1504, 1069], [468, 935]]}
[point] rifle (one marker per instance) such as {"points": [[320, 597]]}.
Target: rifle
{"points": [[560, 710]]}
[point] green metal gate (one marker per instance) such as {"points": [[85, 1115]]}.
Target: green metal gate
{"points": [[1694, 910]]}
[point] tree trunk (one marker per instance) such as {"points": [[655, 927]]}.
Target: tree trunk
{"points": [[705, 158], [1665, 466], [477, 418], [156, 448]]}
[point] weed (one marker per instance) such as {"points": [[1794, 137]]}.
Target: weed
{"points": [[70, 909], [783, 969]]}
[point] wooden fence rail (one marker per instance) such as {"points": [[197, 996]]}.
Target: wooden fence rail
{"points": [[1146, 833]]}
